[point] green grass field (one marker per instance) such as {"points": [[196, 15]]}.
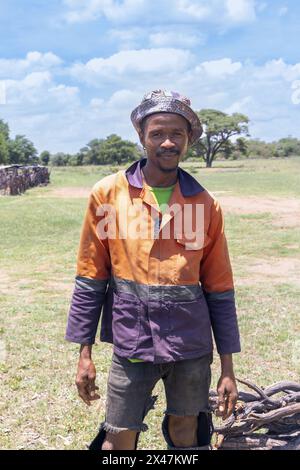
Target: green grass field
{"points": [[39, 234]]}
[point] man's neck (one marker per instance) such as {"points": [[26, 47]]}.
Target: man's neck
{"points": [[156, 178]]}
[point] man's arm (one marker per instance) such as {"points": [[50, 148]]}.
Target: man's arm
{"points": [[93, 273], [217, 282]]}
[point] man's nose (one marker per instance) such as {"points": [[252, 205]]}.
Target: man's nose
{"points": [[167, 143]]}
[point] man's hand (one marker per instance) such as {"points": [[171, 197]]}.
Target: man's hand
{"points": [[227, 395], [227, 389], [86, 376]]}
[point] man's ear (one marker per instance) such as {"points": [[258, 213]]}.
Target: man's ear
{"points": [[141, 137], [190, 134]]}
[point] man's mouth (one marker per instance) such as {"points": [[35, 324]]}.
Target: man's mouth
{"points": [[169, 154]]}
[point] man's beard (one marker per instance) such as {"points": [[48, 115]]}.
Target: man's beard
{"points": [[168, 170]]}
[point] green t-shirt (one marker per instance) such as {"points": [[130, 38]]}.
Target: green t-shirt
{"points": [[162, 197]]}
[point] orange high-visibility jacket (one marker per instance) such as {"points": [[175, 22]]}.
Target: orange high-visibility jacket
{"points": [[162, 288]]}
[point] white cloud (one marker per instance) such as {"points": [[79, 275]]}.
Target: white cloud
{"points": [[296, 92], [35, 80], [39, 90], [2, 92], [278, 68], [129, 38], [241, 10], [125, 64], [123, 99], [175, 39], [158, 11], [96, 103], [199, 10], [45, 60], [64, 94], [34, 61], [180, 37], [219, 68], [88, 10], [239, 106]]}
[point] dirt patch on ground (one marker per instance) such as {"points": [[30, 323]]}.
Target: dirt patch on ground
{"points": [[272, 271], [285, 211], [4, 281], [26, 286], [56, 286]]}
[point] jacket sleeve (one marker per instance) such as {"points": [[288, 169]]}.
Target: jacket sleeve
{"points": [[93, 273], [217, 282]]}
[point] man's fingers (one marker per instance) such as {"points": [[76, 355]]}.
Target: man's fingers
{"points": [[87, 390], [231, 404], [84, 396], [92, 390], [221, 401], [93, 395], [225, 409], [82, 387], [222, 404]]}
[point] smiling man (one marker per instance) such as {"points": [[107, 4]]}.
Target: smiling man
{"points": [[162, 294]]}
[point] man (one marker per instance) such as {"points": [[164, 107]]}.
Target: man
{"points": [[162, 290]]}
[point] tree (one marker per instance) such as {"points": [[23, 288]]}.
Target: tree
{"points": [[83, 157], [60, 159], [257, 148], [219, 127], [4, 130], [117, 151], [22, 151], [241, 146], [4, 154], [93, 156], [4, 141], [45, 157], [287, 146], [191, 154], [236, 150], [74, 160]]}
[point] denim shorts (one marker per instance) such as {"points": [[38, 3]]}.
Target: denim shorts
{"points": [[130, 385]]}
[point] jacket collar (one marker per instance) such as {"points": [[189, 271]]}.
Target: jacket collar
{"points": [[189, 186]]}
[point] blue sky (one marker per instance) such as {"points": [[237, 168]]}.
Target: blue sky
{"points": [[72, 70]]}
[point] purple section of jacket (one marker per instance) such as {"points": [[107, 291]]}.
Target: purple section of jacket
{"points": [[156, 331], [224, 324], [84, 316]]}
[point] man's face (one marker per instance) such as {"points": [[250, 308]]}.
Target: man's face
{"points": [[165, 137]]}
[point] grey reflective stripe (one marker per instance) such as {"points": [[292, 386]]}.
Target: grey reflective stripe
{"points": [[226, 295], [87, 283], [146, 292]]}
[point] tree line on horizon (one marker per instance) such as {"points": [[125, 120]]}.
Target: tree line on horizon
{"points": [[226, 137]]}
